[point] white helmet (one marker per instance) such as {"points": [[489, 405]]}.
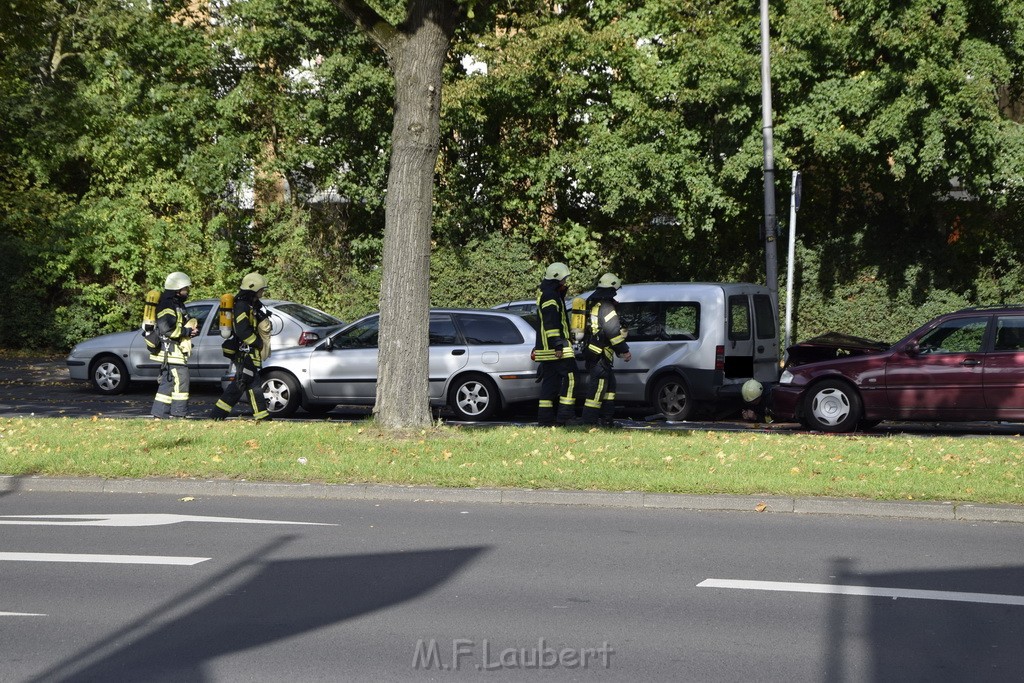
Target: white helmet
{"points": [[177, 280], [254, 282], [752, 390], [609, 280], [556, 271]]}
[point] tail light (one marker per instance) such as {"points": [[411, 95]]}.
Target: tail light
{"points": [[720, 358], [307, 338]]}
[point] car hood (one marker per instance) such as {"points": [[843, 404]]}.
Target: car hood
{"points": [[111, 340], [830, 346]]}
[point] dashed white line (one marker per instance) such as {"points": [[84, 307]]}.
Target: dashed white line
{"points": [[867, 591], [101, 559]]}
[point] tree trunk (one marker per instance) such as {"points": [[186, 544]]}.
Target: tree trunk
{"points": [[417, 59]]}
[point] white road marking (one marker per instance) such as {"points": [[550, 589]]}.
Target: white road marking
{"points": [[869, 591], [102, 559], [134, 520], [21, 614]]}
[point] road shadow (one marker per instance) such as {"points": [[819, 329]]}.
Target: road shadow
{"points": [[926, 640], [282, 599]]}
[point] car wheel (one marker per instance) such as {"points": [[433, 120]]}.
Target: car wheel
{"points": [[282, 393], [832, 406], [109, 375], [473, 397], [672, 398]]}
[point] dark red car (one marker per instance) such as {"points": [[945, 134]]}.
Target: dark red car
{"points": [[961, 366]]}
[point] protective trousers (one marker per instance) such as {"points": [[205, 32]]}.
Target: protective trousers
{"points": [[172, 393], [247, 382], [557, 384], [599, 406]]}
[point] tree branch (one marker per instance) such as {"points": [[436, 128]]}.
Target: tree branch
{"points": [[371, 23]]}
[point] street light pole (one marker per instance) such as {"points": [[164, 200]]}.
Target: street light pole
{"points": [[770, 220]]}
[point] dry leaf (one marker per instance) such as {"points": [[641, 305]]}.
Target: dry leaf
{"points": [[760, 507], [187, 499]]}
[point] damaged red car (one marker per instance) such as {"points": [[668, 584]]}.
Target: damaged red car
{"points": [[962, 366]]}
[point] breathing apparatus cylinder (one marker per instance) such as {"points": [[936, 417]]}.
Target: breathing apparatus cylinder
{"points": [[226, 315], [578, 319], [149, 310]]}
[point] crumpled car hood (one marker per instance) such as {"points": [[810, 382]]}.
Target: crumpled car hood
{"points": [[831, 345]]}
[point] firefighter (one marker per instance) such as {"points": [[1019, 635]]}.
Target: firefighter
{"points": [[553, 350], [175, 329], [251, 327], [604, 338]]}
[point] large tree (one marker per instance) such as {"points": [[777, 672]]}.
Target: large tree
{"points": [[416, 49]]}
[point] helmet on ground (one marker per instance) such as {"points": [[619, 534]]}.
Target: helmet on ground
{"points": [[609, 280], [556, 271], [177, 280], [751, 390], [254, 282]]}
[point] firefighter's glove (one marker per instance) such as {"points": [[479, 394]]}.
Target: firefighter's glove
{"points": [[192, 326]]}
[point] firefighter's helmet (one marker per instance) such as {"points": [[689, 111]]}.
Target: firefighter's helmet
{"points": [[254, 282], [609, 280], [752, 390], [177, 281], [556, 271]]}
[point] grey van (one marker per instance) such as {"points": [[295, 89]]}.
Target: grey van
{"points": [[695, 344]]}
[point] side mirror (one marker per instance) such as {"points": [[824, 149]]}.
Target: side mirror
{"points": [[913, 348]]}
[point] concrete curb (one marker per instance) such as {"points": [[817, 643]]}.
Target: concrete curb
{"points": [[947, 511]]}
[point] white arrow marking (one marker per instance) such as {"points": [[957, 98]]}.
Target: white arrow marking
{"points": [[133, 520], [102, 559], [21, 614], [869, 591]]}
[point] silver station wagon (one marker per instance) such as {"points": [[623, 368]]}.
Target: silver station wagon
{"points": [[109, 362], [479, 362]]}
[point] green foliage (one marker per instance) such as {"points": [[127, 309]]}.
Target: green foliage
{"points": [[136, 139]]}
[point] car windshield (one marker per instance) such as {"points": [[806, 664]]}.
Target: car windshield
{"points": [[309, 316]]}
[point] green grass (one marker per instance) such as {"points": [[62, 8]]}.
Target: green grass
{"points": [[983, 470]]}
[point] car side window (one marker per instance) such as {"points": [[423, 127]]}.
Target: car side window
{"points": [[960, 335], [442, 330], [1009, 333], [360, 336], [489, 329], [660, 321], [201, 312]]}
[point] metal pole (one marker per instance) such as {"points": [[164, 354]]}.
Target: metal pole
{"points": [[794, 206], [770, 220]]}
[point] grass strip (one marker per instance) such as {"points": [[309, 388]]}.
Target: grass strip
{"points": [[981, 470]]}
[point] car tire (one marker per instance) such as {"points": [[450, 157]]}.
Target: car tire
{"points": [[473, 398], [109, 375], [672, 398], [282, 393], [832, 406]]}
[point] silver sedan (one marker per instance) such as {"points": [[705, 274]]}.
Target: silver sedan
{"points": [[479, 362], [109, 362]]}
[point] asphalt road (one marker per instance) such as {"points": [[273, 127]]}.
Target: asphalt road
{"points": [[310, 590]]}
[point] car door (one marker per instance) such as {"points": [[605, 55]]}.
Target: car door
{"points": [[448, 353], [344, 367], [766, 344], [940, 374], [207, 360], [1004, 369]]}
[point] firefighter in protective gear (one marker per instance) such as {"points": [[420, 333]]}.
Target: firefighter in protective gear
{"points": [[176, 330], [604, 338], [553, 350], [251, 327]]}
